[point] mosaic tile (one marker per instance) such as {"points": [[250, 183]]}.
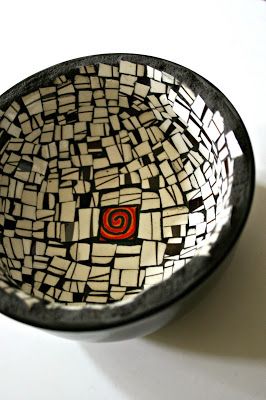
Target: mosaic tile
{"points": [[112, 178]]}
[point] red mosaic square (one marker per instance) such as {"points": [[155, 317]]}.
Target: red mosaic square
{"points": [[118, 223]]}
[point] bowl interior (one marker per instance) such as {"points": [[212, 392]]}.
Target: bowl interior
{"points": [[113, 177]]}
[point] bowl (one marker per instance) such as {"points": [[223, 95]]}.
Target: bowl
{"points": [[125, 182]]}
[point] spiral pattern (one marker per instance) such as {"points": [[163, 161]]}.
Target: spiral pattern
{"points": [[118, 223]]}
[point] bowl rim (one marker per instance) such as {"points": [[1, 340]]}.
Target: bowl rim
{"points": [[89, 319]]}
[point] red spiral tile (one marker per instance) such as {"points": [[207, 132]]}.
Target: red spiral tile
{"points": [[118, 223]]}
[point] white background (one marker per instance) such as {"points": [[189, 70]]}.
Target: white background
{"points": [[217, 351]]}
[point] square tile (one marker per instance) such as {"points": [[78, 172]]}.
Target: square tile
{"points": [[118, 223]]}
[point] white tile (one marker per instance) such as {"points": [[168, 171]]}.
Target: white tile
{"points": [[206, 190], [209, 202], [233, 146], [148, 253], [152, 280], [156, 226], [170, 150], [190, 241], [68, 211], [223, 153], [181, 111], [126, 67], [115, 122], [103, 249], [141, 90], [114, 154], [81, 272], [80, 251], [200, 177], [157, 87], [198, 106], [131, 262], [129, 278], [166, 199], [219, 121], [105, 70], [194, 129], [175, 220], [212, 132], [123, 249], [161, 247], [195, 218], [143, 148], [179, 143]]}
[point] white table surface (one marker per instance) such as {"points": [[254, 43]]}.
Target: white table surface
{"points": [[218, 350]]}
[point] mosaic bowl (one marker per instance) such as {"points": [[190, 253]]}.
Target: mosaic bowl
{"points": [[125, 182]]}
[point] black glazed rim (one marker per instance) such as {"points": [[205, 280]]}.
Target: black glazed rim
{"points": [[182, 282]]}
